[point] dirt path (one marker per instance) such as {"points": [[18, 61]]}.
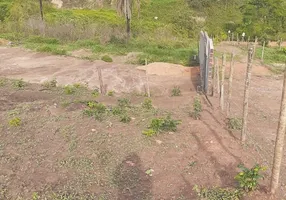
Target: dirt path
{"points": [[34, 67]]}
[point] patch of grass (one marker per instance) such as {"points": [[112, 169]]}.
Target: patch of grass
{"points": [[50, 84], [53, 49], [117, 110], [124, 103], [16, 121], [197, 108], [234, 123], [217, 193], [18, 84], [40, 39], [125, 118], [176, 91], [248, 178], [147, 104], [158, 125], [95, 93], [106, 58], [69, 89]]}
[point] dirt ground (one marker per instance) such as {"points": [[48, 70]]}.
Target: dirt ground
{"points": [[58, 152]]}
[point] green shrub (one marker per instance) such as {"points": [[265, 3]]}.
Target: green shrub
{"points": [[217, 193], [124, 103], [95, 93], [106, 58], [248, 178], [125, 118], [176, 91], [158, 125], [69, 89], [234, 123], [15, 122], [19, 84], [197, 109], [147, 104], [284, 50]]}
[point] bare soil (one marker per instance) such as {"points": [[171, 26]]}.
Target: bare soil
{"points": [[57, 150]]}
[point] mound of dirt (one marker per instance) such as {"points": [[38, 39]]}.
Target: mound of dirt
{"points": [[165, 69]]}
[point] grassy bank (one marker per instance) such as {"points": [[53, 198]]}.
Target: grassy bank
{"points": [[102, 31]]}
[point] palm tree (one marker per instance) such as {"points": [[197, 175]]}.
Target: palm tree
{"points": [[41, 9], [124, 7]]}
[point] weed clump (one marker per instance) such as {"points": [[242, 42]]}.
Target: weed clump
{"points": [[147, 104], [176, 91], [106, 58], [160, 125], [234, 123], [97, 110], [50, 84], [3, 82], [124, 103], [110, 93], [197, 109], [15, 122], [18, 84], [125, 118], [69, 89]]}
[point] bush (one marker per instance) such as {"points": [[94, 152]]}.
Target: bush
{"points": [[248, 178], [15, 122], [117, 111], [234, 123], [106, 58], [110, 93], [176, 91], [147, 104]]}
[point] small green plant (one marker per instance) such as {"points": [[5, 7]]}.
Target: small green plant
{"points": [[97, 110], [234, 123], [15, 122], [110, 93], [106, 58], [160, 125], [147, 104], [284, 50], [19, 84], [176, 91], [248, 178], [69, 89], [50, 84], [197, 109], [125, 118], [217, 193], [124, 103]]}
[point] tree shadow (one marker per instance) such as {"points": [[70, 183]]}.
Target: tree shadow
{"points": [[132, 181]]}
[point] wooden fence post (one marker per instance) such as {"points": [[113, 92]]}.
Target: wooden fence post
{"points": [[217, 75], [230, 84], [246, 95], [147, 80], [262, 54], [279, 144], [222, 82], [254, 49], [100, 80]]}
